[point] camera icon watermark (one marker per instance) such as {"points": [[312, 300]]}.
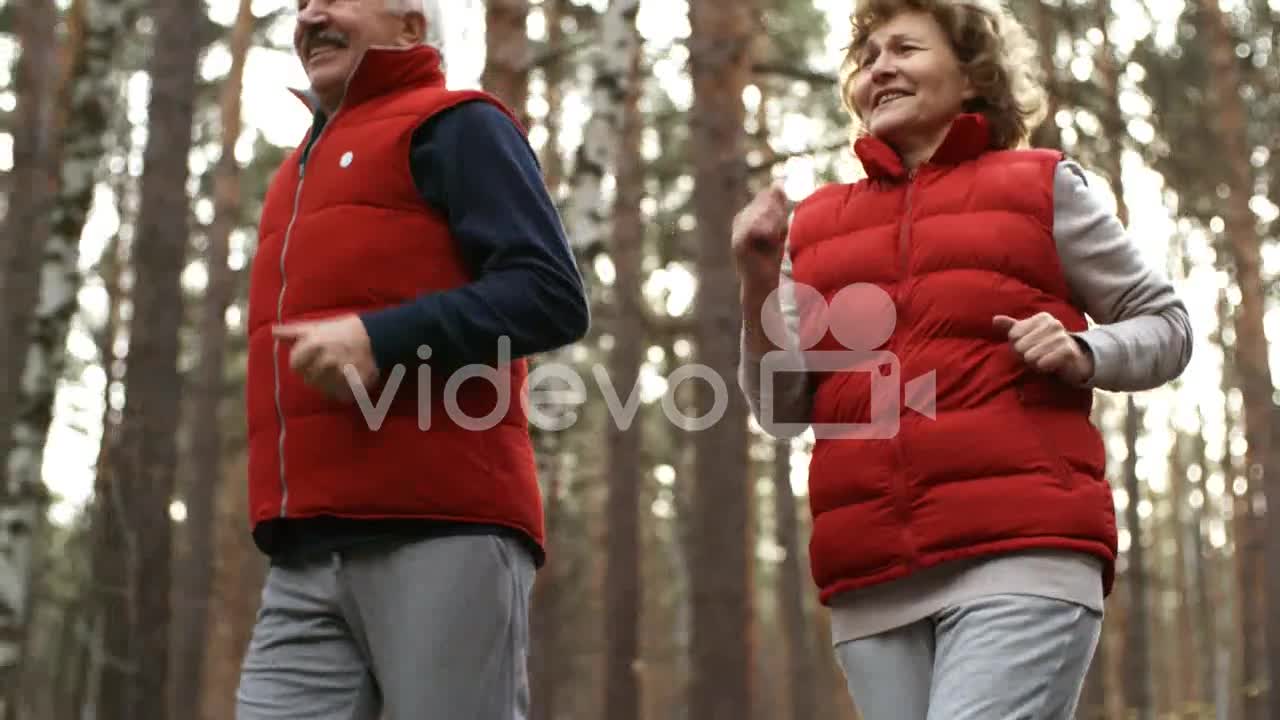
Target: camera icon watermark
{"points": [[860, 317]]}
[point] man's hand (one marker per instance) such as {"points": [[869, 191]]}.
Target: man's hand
{"points": [[323, 349], [1044, 344], [759, 232]]}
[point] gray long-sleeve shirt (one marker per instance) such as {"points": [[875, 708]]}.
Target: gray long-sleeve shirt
{"points": [[1141, 339]]}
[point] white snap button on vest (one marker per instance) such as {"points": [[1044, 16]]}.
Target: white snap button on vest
{"points": [[347, 157]]}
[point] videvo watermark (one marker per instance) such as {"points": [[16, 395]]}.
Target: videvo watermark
{"points": [[860, 317]]}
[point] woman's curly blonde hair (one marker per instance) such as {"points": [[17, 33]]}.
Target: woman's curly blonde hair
{"points": [[995, 52]]}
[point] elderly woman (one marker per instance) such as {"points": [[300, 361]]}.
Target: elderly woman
{"points": [[964, 550]]}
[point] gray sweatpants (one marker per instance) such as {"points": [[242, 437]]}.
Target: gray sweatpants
{"points": [[400, 631], [999, 657]]}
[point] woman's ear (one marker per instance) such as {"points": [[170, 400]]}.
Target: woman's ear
{"points": [[413, 28]]}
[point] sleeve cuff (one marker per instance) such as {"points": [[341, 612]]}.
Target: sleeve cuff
{"points": [[1105, 354], [392, 336]]}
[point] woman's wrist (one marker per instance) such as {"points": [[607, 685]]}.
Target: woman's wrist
{"points": [[758, 297]]}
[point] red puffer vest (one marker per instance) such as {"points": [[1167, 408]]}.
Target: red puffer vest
{"points": [[354, 235], [1011, 460]]}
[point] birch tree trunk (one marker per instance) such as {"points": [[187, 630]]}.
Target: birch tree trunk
{"points": [[623, 580], [721, 551], [25, 228], [207, 446], [141, 481], [587, 219]]}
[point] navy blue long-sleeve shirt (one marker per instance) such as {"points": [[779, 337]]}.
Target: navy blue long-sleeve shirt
{"points": [[472, 164]]}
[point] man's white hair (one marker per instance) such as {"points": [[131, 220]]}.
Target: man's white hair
{"points": [[432, 10]]}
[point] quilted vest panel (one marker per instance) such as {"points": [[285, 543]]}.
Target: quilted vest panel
{"points": [[1010, 460]]}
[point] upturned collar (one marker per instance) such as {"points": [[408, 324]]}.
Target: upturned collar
{"points": [[967, 138]]}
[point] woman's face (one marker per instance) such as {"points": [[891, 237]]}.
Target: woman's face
{"points": [[909, 85]]}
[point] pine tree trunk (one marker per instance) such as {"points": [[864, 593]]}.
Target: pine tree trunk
{"points": [[1137, 671], [1184, 674], [1204, 627], [721, 562], [554, 73], [792, 583], [547, 662], [1244, 647], [239, 570], [1046, 28], [207, 446], [141, 480], [1137, 639], [507, 54], [1261, 416], [623, 580]]}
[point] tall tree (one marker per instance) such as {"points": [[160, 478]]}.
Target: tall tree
{"points": [[623, 583], [22, 234], [507, 54], [1261, 415], [1110, 151], [721, 551], [802, 672], [195, 576], [1137, 653], [141, 480]]}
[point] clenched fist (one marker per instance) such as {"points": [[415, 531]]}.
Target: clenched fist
{"points": [[759, 235], [1043, 343]]}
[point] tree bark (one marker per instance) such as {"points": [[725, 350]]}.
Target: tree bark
{"points": [[42, 330], [623, 579], [554, 72], [585, 219], [507, 54], [1204, 625], [1046, 28], [239, 571], [25, 229], [1137, 666], [1184, 675], [721, 592], [1261, 415], [547, 662], [802, 673], [141, 480], [207, 446]]}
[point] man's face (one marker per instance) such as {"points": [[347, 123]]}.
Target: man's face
{"points": [[331, 35]]}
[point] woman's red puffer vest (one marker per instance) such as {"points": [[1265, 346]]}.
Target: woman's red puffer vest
{"points": [[354, 235], [1011, 460]]}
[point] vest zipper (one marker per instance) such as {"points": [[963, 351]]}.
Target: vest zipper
{"points": [[284, 284], [275, 349], [904, 272], [284, 279]]}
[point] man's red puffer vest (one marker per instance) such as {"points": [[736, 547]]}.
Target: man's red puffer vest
{"points": [[354, 235], [1011, 461]]}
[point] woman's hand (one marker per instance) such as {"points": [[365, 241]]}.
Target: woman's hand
{"points": [[759, 236], [1044, 344]]}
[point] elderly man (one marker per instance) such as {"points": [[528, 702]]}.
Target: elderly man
{"points": [[409, 258]]}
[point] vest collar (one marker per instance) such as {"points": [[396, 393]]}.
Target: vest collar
{"points": [[967, 138], [384, 69]]}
